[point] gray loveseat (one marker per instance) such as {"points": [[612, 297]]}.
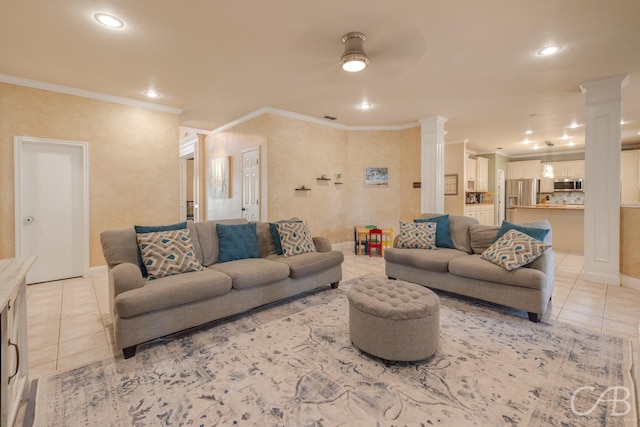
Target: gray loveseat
{"points": [[464, 272], [143, 309]]}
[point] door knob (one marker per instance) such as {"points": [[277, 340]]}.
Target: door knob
{"points": [[30, 219]]}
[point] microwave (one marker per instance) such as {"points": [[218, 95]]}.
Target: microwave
{"points": [[568, 184]]}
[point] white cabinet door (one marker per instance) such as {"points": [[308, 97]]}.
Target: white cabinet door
{"points": [[470, 172], [524, 169], [546, 184], [482, 174], [575, 169]]}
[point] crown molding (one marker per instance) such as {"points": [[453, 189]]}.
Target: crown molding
{"points": [[35, 84], [309, 119]]}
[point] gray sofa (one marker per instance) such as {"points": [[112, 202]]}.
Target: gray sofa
{"points": [[143, 309], [462, 271]]}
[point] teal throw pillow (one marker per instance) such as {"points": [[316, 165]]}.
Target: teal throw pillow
{"points": [[143, 229], [443, 232], [536, 233], [237, 241]]}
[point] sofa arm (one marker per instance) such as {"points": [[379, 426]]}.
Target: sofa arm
{"points": [[322, 244], [122, 278]]}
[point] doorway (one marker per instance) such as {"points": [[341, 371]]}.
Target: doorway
{"points": [[51, 207], [251, 184]]}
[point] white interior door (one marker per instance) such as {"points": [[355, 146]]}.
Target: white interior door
{"points": [[51, 207], [500, 193], [251, 184]]}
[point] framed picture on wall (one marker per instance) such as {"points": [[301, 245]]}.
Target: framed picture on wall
{"points": [[451, 185], [376, 177]]}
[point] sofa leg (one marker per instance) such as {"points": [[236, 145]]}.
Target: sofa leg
{"points": [[535, 317], [334, 285], [129, 351], [392, 278]]}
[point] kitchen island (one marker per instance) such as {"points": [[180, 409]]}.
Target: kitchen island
{"points": [[567, 223]]}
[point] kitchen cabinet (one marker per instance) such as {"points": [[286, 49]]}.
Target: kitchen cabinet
{"points": [[524, 169], [482, 174], [470, 174], [14, 360], [569, 169], [483, 213], [630, 176]]}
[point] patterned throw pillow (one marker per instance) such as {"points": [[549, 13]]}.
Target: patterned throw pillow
{"points": [[514, 249], [295, 238], [167, 252], [417, 235]]}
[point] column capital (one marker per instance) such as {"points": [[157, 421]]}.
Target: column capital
{"points": [[433, 123], [607, 89]]}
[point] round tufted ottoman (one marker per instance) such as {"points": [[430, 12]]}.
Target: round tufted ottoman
{"points": [[394, 320]]}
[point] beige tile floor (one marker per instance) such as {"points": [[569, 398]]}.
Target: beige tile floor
{"points": [[69, 323]]}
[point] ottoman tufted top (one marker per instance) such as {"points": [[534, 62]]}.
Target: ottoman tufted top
{"points": [[393, 299]]}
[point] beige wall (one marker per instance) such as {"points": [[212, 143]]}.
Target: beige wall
{"points": [[133, 158], [296, 153], [629, 242]]}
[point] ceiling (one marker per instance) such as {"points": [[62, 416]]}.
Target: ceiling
{"points": [[473, 62]]}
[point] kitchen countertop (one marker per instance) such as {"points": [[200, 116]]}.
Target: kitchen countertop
{"points": [[552, 206]]}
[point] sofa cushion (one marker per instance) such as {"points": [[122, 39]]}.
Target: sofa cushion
{"points": [[266, 244], [295, 239], [482, 236], [443, 232], [208, 237], [436, 261], [417, 235], [459, 227], [514, 249], [237, 241], [172, 291], [313, 262], [474, 267], [250, 272], [537, 233], [140, 229], [165, 253]]}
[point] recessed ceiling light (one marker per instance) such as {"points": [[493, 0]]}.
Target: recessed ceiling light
{"points": [[364, 106], [526, 141], [151, 93], [108, 20], [549, 50], [536, 147], [621, 121], [529, 132], [571, 144], [573, 125], [565, 136]]}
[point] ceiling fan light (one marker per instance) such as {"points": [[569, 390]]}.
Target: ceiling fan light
{"points": [[354, 58]]}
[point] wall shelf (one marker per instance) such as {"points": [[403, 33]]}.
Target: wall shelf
{"points": [[338, 183], [303, 188], [323, 178]]}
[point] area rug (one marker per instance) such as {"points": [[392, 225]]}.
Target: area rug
{"points": [[292, 364]]}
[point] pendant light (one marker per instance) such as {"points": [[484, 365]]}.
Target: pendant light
{"points": [[354, 58], [547, 168]]}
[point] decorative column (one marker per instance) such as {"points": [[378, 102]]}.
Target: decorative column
{"points": [[603, 101], [432, 165]]}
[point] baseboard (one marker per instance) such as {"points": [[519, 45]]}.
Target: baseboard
{"points": [[630, 282], [100, 271], [342, 246]]}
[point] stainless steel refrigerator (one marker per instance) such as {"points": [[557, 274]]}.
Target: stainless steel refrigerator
{"points": [[520, 192]]}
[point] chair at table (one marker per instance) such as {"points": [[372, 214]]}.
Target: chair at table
{"points": [[387, 242], [359, 247], [375, 240]]}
